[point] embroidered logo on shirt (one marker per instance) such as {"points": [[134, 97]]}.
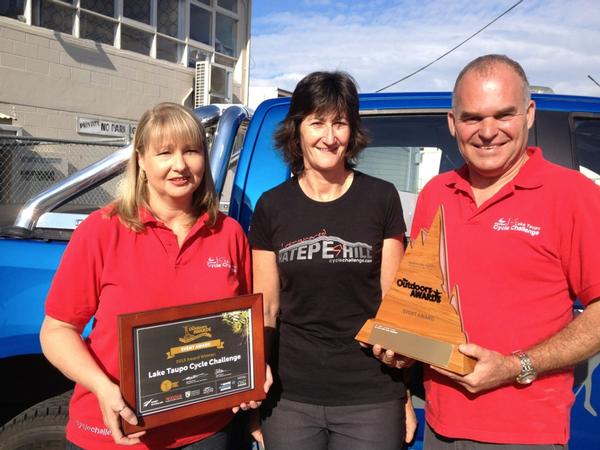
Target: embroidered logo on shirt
{"points": [[219, 262], [516, 224]]}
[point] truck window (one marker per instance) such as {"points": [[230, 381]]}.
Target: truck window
{"points": [[408, 150], [587, 146]]}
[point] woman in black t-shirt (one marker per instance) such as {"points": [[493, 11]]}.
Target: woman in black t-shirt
{"points": [[326, 244]]}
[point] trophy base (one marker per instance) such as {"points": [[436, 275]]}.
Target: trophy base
{"points": [[422, 348]]}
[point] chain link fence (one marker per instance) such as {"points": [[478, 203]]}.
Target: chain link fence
{"points": [[30, 165]]}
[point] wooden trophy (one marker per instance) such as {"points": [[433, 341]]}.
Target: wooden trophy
{"points": [[419, 317]]}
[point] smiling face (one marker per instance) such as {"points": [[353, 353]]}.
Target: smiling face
{"points": [[324, 141], [490, 120], [174, 169]]}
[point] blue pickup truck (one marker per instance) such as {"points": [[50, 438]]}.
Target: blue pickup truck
{"points": [[410, 143]]}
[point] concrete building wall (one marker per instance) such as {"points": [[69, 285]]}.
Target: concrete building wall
{"points": [[241, 73], [49, 79]]}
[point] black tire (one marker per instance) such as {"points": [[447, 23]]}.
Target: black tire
{"points": [[40, 427]]}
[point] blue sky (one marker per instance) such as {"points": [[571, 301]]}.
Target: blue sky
{"points": [[380, 41]]}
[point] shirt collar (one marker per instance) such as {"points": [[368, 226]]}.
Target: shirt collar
{"points": [[147, 219], [146, 216], [529, 177]]}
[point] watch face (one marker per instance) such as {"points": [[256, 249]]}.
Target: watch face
{"points": [[526, 378]]}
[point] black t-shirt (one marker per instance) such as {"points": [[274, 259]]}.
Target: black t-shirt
{"points": [[329, 261]]}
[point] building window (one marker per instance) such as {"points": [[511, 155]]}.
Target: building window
{"points": [[12, 8], [155, 28], [58, 16], [167, 17], [231, 5], [137, 10], [104, 7], [135, 40], [226, 35], [96, 28], [167, 49], [200, 24]]}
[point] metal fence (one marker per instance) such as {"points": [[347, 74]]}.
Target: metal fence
{"points": [[30, 165]]}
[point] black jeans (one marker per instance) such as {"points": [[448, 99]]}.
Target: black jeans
{"points": [[303, 426]]}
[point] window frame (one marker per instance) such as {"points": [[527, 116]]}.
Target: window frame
{"points": [[573, 118], [204, 7], [183, 40]]}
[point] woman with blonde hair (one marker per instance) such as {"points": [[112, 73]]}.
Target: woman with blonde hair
{"points": [[149, 249]]}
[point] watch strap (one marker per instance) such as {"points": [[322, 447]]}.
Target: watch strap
{"points": [[528, 372]]}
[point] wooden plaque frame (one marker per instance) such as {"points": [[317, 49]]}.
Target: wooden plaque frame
{"points": [[131, 324]]}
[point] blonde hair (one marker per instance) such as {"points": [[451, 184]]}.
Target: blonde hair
{"points": [[165, 120]]}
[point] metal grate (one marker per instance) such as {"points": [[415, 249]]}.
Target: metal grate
{"points": [[97, 29], [100, 6], [137, 10], [28, 166], [167, 17], [135, 40], [202, 84], [167, 49], [56, 16]]}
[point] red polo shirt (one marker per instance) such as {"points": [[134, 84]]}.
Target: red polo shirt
{"points": [[520, 260], [108, 269]]}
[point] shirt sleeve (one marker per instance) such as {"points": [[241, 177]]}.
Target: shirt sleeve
{"points": [[74, 292], [260, 234], [581, 244]]}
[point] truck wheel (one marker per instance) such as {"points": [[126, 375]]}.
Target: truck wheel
{"points": [[40, 427]]}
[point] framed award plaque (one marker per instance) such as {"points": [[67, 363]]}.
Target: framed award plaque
{"points": [[191, 360]]}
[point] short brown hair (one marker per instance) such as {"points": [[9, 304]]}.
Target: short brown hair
{"points": [[321, 93], [165, 120]]}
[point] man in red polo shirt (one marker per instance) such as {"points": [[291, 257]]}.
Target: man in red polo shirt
{"points": [[522, 236]]}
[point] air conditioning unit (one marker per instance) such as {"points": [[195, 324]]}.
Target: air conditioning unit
{"points": [[221, 84], [202, 84]]}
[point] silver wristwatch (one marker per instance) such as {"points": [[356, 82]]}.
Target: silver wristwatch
{"points": [[528, 372]]}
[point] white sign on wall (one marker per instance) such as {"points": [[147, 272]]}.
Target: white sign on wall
{"points": [[104, 127]]}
